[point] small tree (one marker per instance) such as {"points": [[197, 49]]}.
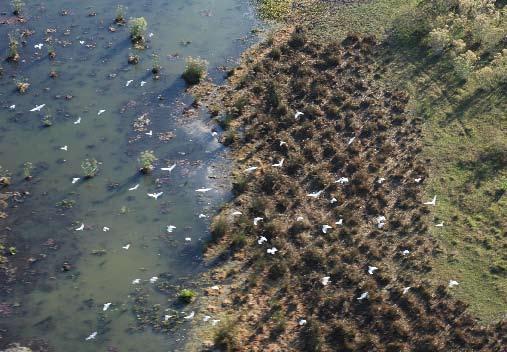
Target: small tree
{"points": [[120, 15], [195, 70], [146, 160], [90, 168], [13, 49], [17, 7], [138, 27]]}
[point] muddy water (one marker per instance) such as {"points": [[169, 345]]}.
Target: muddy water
{"points": [[64, 307]]}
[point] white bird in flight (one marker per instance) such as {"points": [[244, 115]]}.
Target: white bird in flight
{"points": [[101, 112], [128, 82], [143, 83], [65, 148], [203, 190], [325, 228], [149, 133], [272, 250], [342, 180], [38, 46], [261, 240], [155, 195], [351, 140], [297, 114], [78, 121], [302, 322], [453, 283], [38, 107], [126, 247], [237, 213], [380, 180], [363, 296], [167, 317], [201, 216], [92, 336], [315, 194], [381, 221], [339, 222], [371, 269], [80, 228], [405, 252], [250, 169], [282, 143], [432, 202], [279, 164], [417, 180], [256, 220], [188, 239], [81, 42], [134, 188], [136, 281], [300, 218], [441, 224], [325, 280], [333, 200], [105, 229], [190, 316], [405, 289], [153, 279], [106, 306], [170, 228], [12, 107], [75, 179], [170, 168]]}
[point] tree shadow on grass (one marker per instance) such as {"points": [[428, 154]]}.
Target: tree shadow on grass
{"points": [[487, 165]]}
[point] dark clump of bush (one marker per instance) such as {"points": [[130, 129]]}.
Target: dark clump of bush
{"points": [[275, 54], [186, 295], [195, 70], [298, 38], [218, 229]]}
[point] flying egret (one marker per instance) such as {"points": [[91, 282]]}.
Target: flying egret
{"points": [[126, 247], [188, 239], [12, 107], [261, 240], [325, 228], [134, 188], [38, 46], [206, 318], [302, 322], [299, 218], [38, 107], [282, 143], [80, 228], [153, 279], [405, 289], [325, 280], [441, 224], [155, 195], [143, 83], [78, 121], [170, 168], [128, 82], [65, 148], [297, 114], [315, 194], [106, 306], [279, 164], [272, 250], [333, 200], [371, 269], [417, 180], [105, 229], [256, 220], [170, 228], [250, 169], [237, 213], [342, 180], [405, 252], [339, 222], [432, 202], [92, 336], [363, 296], [75, 179], [149, 133], [214, 133], [81, 42], [203, 190], [136, 281], [190, 316], [201, 216], [351, 140], [167, 317], [381, 221], [101, 112], [380, 180], [453, 283]]}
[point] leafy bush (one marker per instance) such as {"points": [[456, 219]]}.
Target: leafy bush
{"points": [[138, 27], [146, 160], [195, 70], [17, 7], [187, 295], [120, 14], [218, 228], [90, 168], [13, 54]]}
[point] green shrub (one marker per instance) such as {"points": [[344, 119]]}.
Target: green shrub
{"points": [[17, 7], [120, 14], [90, 168], [146, 160], [138, 27], [13, 53], [218, 228], [225, 337], [195, 70], [186, 295]]}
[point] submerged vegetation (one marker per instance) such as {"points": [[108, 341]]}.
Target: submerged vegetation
{"points": [[195, 70], [138, 28], [90, 168]]}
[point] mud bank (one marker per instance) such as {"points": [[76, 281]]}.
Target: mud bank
{"points": [[325, 243]]}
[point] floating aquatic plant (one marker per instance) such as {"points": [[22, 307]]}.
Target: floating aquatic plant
{"points": [[195, 70], [27, 170], [186, 295], [146, 160], [90, 168]]}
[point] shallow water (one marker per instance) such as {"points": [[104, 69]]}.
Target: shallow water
{"points": [[64, 308]]}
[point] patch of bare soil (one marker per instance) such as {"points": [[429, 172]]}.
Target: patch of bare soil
{"points": [[289, 283]]}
